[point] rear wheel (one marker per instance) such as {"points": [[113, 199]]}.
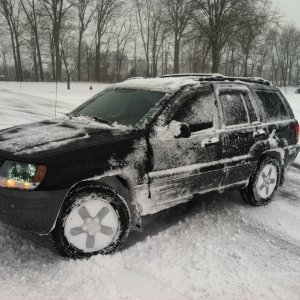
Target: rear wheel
{"points": [[92, 221], [263, 183]]}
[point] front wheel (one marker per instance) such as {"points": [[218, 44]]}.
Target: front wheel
{"points": [[263, 183], [92, 221]]}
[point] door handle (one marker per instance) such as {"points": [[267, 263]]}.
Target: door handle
{"points": [[209, 142], [260, 132]]}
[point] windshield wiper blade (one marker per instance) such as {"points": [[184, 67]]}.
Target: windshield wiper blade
{"points": [[94, 118], [98, 119]]}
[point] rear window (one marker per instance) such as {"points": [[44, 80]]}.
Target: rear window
{"points": [[273, 105]]}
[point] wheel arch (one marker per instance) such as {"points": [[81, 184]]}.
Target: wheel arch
{"points": [[120, 185]]}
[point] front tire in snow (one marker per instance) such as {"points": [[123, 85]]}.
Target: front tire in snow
{"points": [[93, 220], [263, 184]]}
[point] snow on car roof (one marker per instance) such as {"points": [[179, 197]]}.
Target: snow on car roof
{"points": [[157, 84]]}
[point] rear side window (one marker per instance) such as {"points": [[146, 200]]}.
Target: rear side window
{"points": [[273, 105], [234, 110], [251, 111]]}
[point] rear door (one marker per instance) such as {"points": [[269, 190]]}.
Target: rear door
{"points": [[241, 129]]}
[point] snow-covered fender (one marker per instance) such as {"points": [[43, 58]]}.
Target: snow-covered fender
{"points": [[122, 176], [121, 186], [276, 148]]}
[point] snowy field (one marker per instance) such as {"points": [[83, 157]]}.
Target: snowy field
{"points": [[215, 248]]}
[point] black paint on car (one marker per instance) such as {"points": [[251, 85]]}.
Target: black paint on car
{"points": [[139, 147]]}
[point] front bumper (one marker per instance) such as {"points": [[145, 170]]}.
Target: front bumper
{"points": [[31, 210]]}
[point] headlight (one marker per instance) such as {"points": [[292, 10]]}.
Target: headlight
{"points": [[14, 175]]}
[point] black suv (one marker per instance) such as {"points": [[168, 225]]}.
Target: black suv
{"points": [[139, 147]]}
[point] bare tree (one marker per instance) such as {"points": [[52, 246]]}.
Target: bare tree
{"points": [[32, 11], [149, 18], [56, 10], [221, 20], [67, 54], [121, 38], [179, 17], [85, 15], [143, 16], [257, 15], [286, 43], [106, 10], [5, 67], [12, 14]]}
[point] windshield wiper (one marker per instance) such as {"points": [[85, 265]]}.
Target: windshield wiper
{"points": [[98, 119], [94, 118]]}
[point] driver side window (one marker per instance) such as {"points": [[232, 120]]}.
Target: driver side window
{"points": [[197, 112]]}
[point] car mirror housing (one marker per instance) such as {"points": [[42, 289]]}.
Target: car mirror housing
{"points": [[179, 130], [185, 131]]}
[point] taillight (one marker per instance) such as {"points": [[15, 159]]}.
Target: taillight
{"points": [[297, 132]]}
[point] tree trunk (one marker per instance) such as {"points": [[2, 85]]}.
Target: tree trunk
{"points": [[216, 58], [14, 54], [97, 62], [79, 57], [176, 55], [36, 72], [20, 71], [39, 57], [56, 33], [5, 69], [246, 64], [68, 81], [154, 61]]}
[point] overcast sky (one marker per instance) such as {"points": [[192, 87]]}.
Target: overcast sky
{"points": [[290, 9]]}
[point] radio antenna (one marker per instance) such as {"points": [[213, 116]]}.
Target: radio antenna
{"points": [[55, 98]]}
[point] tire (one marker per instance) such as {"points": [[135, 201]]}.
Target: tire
{"points": [[93, 220], [263, 184]]}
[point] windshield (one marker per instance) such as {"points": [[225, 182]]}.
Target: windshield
{"points": [[124, 106]]}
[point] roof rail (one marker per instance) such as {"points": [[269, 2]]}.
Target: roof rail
{"points": [[191, 75], [219, 77], [244, 79]]}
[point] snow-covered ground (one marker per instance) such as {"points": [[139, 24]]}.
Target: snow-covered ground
{"points": [[30, 102], [214, 248], [294, 100]]}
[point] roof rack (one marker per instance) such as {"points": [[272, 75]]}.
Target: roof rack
{"points": [[219, 77], [244, 79], [191, 75]]}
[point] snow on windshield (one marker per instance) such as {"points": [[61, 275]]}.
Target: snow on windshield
{"points": [[124, 106]]}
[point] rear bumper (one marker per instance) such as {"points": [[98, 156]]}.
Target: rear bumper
{"points": [[31, 210]]}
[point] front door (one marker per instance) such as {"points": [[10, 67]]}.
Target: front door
{"points": [[185, 166]]}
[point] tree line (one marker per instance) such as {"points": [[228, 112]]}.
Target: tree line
{"points": [[110, 40]]}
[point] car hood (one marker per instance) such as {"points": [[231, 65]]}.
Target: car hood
{"points": [[46, 137]]}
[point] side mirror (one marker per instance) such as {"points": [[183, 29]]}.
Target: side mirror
{"points": [[179, 130]]}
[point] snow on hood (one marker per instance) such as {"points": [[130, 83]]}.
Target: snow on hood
{"points": [[47, 135], [158, 84]]}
